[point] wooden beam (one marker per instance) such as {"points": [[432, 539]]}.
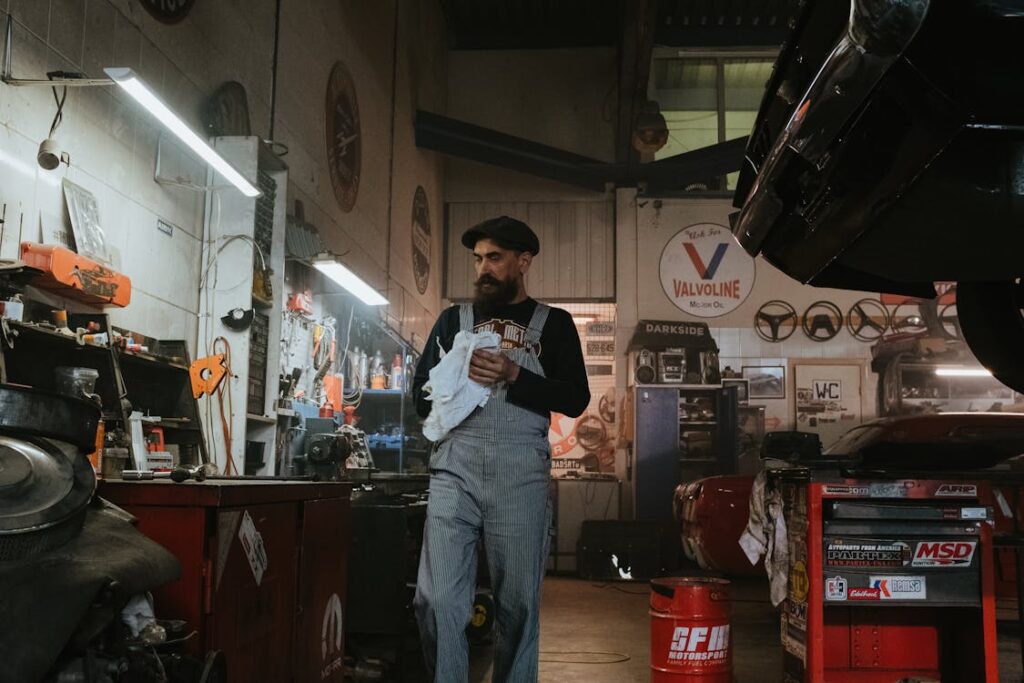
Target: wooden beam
{"points": [[635, 49]]}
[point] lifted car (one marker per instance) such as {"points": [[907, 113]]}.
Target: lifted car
{"points": [[888, 154]]}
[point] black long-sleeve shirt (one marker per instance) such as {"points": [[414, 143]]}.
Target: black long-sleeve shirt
{"points": [[564, 387]]}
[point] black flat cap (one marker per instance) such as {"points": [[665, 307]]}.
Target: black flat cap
{"points": [[508, 233]]}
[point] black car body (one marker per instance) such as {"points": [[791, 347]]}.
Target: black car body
{"points": [[888, 154]]}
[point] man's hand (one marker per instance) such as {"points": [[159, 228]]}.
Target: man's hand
{"points": [[490, 368]]}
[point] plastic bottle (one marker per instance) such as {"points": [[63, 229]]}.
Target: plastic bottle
{"points": [[377, 374], [397, 373], [353, 367]]}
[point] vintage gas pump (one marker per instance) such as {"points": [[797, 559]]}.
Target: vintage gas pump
{"points": [[889, 579]]}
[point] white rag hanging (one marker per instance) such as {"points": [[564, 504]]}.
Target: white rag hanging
{"points": [[452, 393], [766, 533]]}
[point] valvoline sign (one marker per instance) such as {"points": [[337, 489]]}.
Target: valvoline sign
{"points": [[705, 272], [944, 553]]}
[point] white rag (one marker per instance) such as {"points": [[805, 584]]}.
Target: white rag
{"points": [[453, 393], [766, 533]]}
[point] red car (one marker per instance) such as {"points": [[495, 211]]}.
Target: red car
{"points": [[712, 512]]}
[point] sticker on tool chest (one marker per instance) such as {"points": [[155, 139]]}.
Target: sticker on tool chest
{"points": [[835, 588], [900, 587], [944, 553], [864, 594], [957, 491], [252, 544], [867, 554]]}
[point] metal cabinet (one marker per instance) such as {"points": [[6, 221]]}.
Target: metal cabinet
{"points": [[682, 433], [263, 570]]}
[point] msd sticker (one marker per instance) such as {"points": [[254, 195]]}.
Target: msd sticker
{"points": [[835, 588], [944, 553], [900, 587]]}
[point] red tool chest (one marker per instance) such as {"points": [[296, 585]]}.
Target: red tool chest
{"points": [[263, 570], [888, 579]]}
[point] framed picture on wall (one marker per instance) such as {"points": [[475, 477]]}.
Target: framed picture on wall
{"points": [[766, 381]]}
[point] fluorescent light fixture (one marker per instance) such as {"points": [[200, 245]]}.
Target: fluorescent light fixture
{"points": [[962, 372], [129, 80], [349, 280], [583, 319]]}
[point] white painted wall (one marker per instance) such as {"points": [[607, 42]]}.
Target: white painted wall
{"points": [[646, 225], [112, 143]]}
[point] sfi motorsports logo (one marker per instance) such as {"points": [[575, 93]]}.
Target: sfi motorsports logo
{"points": [[330, 638], [699, 644], [704, 272], [944, 553]]}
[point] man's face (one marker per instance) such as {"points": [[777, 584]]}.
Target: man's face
{"points": [[499, 272]]}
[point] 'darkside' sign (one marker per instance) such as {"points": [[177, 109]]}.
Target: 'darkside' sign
{"points": [[670, 334]]}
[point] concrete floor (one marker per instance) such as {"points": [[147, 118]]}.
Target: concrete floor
{"points": [[584, 623]]}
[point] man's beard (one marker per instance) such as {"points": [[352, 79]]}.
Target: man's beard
{"points": [[492, 298]]}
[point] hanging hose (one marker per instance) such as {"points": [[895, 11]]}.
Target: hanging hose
{"points": [[225, 388]]}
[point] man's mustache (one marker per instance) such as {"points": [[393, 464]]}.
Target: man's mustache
{"points": [[487, 280]]}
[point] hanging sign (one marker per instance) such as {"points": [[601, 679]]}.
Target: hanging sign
{"points": [[421, 239], [704, 272]]}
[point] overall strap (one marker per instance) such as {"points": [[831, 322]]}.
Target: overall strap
{"points": [[540, 316], [466, 317]]}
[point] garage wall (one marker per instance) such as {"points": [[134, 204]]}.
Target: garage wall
{"points": [[112, 143], [577, 248], [645, 226], [564, 98]]}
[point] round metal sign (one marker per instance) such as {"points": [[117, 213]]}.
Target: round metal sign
{"points": [[421, 239], [344, 147], [168, 11], [776, 321], [704, 272]]}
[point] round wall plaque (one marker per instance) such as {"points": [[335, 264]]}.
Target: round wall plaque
{"points": [[344, 149]]}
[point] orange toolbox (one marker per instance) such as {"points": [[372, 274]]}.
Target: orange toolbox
{"points": [[75, 276]]}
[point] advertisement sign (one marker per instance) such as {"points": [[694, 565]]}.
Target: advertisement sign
{"points": [[704, 272]]}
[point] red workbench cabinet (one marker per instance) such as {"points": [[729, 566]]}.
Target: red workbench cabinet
{"points": [[888, 579], [263, 570]]}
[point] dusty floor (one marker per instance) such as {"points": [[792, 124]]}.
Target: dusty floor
{"points": [[598, 633]]}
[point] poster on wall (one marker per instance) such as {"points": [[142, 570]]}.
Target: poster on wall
{"points": [[705, 272], [585, 446]]}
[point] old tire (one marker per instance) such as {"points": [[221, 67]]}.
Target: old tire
{"points": [[992, 323]]}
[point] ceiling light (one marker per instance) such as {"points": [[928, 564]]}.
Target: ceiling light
{"points": [[962, 372], [127, 79], [330, 267], [583, 319]]}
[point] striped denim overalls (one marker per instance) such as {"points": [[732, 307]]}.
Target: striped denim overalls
{"points": [[490, 475]]}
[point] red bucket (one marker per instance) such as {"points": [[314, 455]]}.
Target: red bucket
{"points": [[690, 630]]}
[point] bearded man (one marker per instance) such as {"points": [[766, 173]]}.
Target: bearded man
{"points": [[489, 477]]}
